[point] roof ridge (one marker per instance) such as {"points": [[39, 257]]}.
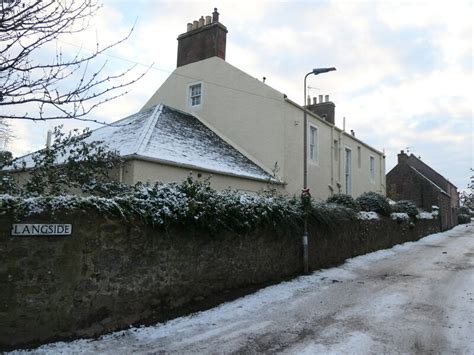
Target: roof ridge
{"points": [[146, 132]]}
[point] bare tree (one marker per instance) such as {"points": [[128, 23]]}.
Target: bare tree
{"points": [[64, 87]]}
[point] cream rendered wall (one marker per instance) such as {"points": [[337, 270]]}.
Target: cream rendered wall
{"points": [[259, 122], [148, 171], [239, 108], [361, 181], [323, 177]]}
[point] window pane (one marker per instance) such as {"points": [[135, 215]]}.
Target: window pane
{"points": [[372, 168], [195, 95], [359, 158], [313, 146]]}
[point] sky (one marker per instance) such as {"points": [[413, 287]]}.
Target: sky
{"points": [[404, 76]]}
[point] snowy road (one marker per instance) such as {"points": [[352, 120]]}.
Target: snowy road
{"points": [[414, 298]]}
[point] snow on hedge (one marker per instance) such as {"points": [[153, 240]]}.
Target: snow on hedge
{"points": [[399, 216], [368, 216], [190, 203], [162, 205]]}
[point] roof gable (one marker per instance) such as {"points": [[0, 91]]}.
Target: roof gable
{"points": [[428, 172], [428, 180]]}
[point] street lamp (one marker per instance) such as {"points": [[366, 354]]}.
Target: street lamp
{"points": [[305, 192]]}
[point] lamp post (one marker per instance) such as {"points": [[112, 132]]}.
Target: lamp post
{"points": [[306, 193]]}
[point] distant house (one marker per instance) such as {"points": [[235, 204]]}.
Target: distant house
{"points": [[213, 119], [412, 179]]}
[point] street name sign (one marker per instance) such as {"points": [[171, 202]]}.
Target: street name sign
{"points": [[27, 230]]}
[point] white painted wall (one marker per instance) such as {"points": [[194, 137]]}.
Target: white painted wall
{"points": [[259, 122]]}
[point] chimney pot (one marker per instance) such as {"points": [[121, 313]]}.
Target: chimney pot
{"points": [[315, 100], [320, 99], [208, 20], [201, 22], [308, 101], [189, 27], [195, 25], [215, 15], [326, 98]]}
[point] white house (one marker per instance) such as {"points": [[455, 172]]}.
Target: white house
{"points": [[262, 123]]}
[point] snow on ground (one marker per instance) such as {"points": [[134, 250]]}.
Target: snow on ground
{"points": [[417, 297]]}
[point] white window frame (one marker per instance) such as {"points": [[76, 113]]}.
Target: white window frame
{"points": [[313, 147], [189, 97], [372, 168]]}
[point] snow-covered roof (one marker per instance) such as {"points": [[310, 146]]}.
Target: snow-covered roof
{"points": [[170, 136]]}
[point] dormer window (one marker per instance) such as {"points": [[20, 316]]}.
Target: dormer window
{"points": [[195, 95]]}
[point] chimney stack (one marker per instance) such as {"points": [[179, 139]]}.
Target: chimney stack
{"points": [[402, 157], [204, 38], [324, 109]]}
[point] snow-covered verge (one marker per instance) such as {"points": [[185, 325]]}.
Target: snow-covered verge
{"points": [[414, 298]]}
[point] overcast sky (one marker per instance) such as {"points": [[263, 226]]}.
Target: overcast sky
{"points": [[404, 68]]}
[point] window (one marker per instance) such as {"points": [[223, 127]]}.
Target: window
{"points": [[313, 143], [372, 168], [359, 158], [194, 95], [348, 171], [336, 150]]}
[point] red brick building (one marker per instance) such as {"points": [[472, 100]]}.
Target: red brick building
{"points": [[412, 179]]}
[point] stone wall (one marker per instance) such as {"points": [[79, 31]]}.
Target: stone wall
{"points": [[109, 274]]}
